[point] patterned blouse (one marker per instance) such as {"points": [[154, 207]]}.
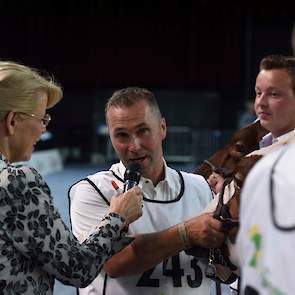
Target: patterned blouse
{"points": [[36, 246]]}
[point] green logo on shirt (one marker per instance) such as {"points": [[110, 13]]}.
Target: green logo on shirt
{"points": [[255, 237]]}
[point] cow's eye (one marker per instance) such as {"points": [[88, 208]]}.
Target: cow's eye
{"points": [[239, 147]]}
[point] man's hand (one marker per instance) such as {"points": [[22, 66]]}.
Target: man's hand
{"points": [[205, 231]]}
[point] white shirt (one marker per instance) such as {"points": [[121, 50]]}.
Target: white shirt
{"points": [[170, 202], [268, 139], [266, 252], [275, 143]]}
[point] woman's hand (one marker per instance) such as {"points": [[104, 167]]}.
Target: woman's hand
{"points": [[128, 204]]}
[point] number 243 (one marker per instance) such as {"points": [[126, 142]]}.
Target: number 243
{"points": [[175, 272]]}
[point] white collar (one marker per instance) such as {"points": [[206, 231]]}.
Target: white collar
{"points": [[121, 171], [269, 139], [171, 184], [283, 137]]}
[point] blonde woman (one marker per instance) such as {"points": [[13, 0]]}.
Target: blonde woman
{"points": [[35, 244]]}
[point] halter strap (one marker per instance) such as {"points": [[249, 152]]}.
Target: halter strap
{"points": [[210, 164], [221, 212]]}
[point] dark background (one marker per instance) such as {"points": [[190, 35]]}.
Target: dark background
{"points": [[199, 57]]}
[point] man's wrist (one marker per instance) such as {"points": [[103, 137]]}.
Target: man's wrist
{"points": [[183, 236]]}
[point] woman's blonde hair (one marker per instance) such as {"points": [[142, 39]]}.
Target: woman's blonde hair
{"points": [[18, 87]]}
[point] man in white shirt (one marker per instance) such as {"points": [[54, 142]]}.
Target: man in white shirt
{"points": [[155, 262], [274, 102], [264, 262]]}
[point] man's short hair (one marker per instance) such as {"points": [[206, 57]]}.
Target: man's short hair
{"points": [[131, 95], [280, 62]]}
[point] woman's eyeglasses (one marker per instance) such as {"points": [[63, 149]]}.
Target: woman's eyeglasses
{"points": [[45, 120]]}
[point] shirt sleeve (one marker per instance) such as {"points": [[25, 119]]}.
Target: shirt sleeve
{"points": [[87, 209], [36, 230]]}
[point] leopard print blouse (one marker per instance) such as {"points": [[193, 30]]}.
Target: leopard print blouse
{"points": [[36, 246]]}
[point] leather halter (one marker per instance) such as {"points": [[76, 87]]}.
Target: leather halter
{"points": [[210, 164], [222, 211]]}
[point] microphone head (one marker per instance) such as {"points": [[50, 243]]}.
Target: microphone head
{"points": [[132, 172]]}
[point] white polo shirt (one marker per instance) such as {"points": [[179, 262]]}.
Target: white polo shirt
{"points": [[176, 198]]}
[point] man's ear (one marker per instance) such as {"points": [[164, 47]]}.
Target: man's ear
{"points": [[11, 122], [163, 127]]}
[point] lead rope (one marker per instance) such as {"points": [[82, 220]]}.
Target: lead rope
{"points": [[210, 270]]}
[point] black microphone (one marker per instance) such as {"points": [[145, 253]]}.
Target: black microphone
{"points": [[132, 175]]}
